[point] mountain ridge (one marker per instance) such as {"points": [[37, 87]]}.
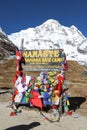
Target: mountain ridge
{"points": [[7, 48], [49, 35]]}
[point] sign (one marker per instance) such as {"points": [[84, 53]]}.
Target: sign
{"points": [[43, 59]]}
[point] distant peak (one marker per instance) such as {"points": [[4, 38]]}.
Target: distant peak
{"points": [[52, 21], [73, 27]]}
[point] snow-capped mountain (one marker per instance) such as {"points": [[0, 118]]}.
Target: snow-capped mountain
{"points": [[52, 35]]}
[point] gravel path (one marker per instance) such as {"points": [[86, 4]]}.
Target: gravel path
{"points": [[31, 119]]}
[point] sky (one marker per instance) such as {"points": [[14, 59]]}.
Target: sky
{"points": [[17, 15]]}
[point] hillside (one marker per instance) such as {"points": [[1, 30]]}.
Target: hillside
{"points": [[76, 73], [7, 48]]}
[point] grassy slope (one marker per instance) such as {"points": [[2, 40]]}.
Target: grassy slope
{"points": [[75, 73]]}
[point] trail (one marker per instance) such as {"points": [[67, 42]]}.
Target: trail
{"points": [[32, 119]]}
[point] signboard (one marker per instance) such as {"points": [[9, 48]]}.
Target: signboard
{"points": [[39, 60]]}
